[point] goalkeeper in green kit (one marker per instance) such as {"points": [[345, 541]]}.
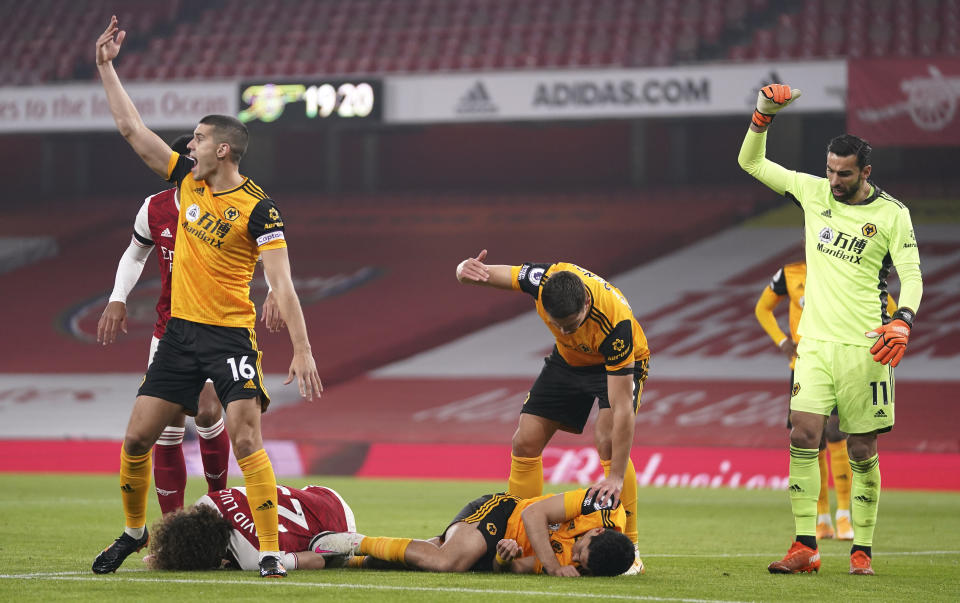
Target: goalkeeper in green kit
{"points": [[854, 234]]}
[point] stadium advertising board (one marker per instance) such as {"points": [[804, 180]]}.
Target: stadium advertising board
{"points": [[905, 102], [315, 101], [83, 107], [615, 93]]}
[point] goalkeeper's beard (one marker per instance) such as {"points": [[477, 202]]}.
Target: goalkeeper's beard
{"points": [[848, 193]]}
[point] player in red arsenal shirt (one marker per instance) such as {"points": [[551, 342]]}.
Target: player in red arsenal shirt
{"points": [[218, 530]]}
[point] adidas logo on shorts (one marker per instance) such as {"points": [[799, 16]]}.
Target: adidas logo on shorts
{"points": [[880, 414]]}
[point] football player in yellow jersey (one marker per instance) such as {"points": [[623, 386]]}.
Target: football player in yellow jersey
{"points": [[788, 283], [225, 222], [568, 534], [600, 354]]}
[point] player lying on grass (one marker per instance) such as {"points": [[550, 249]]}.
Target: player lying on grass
{"points": [[565, 534], [218, 530]]}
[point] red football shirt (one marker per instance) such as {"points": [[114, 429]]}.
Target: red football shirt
{"points": [[302, 513], [156, 224]]}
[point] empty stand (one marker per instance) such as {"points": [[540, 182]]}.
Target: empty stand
{"points": [[312, 37]]}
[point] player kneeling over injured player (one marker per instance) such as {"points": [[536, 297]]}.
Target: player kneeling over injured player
{"points": [[218, 530], [561, 535]]}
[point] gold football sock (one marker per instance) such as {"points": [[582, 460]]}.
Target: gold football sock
{"points": [[803, 483], [387, 549], [628, 497], [134, 488], [823, 502], [840, 463], [261, 486], [865, 494], [526, 476]]}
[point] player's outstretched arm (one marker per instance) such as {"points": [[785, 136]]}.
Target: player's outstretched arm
{"points": [[276, 266], [151, 148], [472, 271], [535, 519], [752, 157], [607, 490]]}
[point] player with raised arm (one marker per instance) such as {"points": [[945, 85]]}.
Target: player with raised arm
{"points": [[156, 227], [600, 354], [568, 534], [854, 234], [225, 221], [218, 530]]}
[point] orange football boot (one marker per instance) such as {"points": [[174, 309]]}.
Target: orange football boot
{"points": [[800, 558], [860, 564]]}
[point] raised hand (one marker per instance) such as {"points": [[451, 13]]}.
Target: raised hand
{"points": [[473, 269], [772, 99], [108, 44]]}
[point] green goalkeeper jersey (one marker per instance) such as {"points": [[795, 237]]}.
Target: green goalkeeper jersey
{"points": [[850, 251]]}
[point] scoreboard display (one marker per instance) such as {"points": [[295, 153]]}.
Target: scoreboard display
{"points": [[316, 101]]}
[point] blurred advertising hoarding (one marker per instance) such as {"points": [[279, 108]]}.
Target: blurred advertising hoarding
{"points": [[83, 107], [905, 102], [712, 90], [609, 93]]}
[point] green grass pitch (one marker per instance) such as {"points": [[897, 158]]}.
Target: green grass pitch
{"points": [[698, 545]]}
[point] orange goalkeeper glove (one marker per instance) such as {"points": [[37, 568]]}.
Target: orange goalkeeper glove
{"points": [[892, 338], [771, 99]]}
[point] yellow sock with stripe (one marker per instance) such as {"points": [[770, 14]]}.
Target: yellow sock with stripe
{"points": [[134, 489], [387, 549], [865, 498], [628, 498], [526, 476], [804, 483], [261, 486], [840, 463], [823, 501]]}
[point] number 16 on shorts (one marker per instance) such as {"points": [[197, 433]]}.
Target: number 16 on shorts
{"points": [[241, 368]]}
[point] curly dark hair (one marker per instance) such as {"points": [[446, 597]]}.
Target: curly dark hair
{"points": [[563, 294], [194, 538], [611, 554]]}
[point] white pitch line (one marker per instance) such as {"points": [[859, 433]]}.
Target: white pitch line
{"points": [[77, 577], [822, 554]]}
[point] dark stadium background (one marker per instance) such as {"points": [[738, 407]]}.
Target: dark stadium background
{"points": [[380, 212]]}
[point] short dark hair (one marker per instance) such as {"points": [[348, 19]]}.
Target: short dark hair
{"points": [[231, 131], [194, 538], [180, 144], [562, 294], [848, 144], [611, 554]]}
